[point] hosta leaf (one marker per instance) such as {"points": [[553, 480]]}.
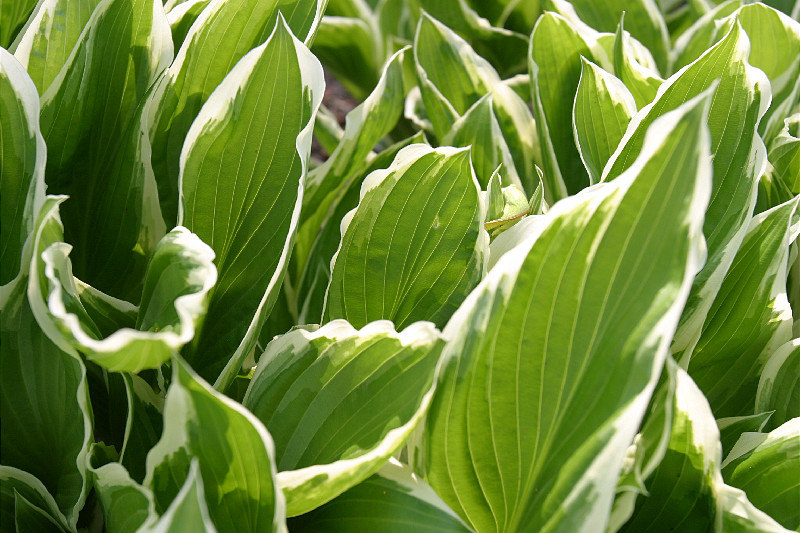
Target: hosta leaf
{"points": [[85, 113], [22, 172], [551, 361], [243, 199], [179, 277], [188, 511], [555, 68], [16, 483], [784, 154], [682, 490], [313, 282], [452, 74], [741, 516], [409, 265], [352, 49], [181, 18], [700, 35], [28, 517], [339, 402], [642, 81], [779, 385], [749, 318], [479, 129], [365, 126], [234, 451], [393, 500], [731, 428], [741, 98], [644, 21], [49, 37], [601, 113], [43, 397], [126, 504], [12, 17], [223, 33], [770, 474]]}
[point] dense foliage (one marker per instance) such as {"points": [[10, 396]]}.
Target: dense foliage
{"points": [[543, 281]]}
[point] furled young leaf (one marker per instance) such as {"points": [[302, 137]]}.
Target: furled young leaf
{"points": [[339, 402], [234, 451], [179, 277], [555, 68], [642, 81], [779, 385], [15, 483], [682, 491], [740, 100], [784, 154], [242, 173], [601, 113], [23, 160], [644, 21], [365, 126], [452, 74], [224, 32], [43, 397], [551, 361], [770, 474], [408, 265], [393, 500], [189, 510], [54, 29], [478, 128], [85, 113], [749, 318]]}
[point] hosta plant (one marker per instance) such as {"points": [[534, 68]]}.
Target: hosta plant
{"points": [[542, 277]]}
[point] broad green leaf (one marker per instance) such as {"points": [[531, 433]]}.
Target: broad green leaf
{"points": [[749, 318], [242, 174], [16, 483], [365, 126], [452, 74], [28, 517], [408, 265], [478, 128], [223, 33], [731, 428], [126, 504], [178, 280], [784, 154], [741, 516], [740, 100], [353, 50], [313, 283], [339, 402], [181, 18], [189, 510], [85, 113], [770, 474], [393, 500], [642, 81], [682, 490], [555, 69], [552, 360], [23, 161], [601, 113], [234, 451], [13, 15], [779, 385], [43, 397], [49, 37]]}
